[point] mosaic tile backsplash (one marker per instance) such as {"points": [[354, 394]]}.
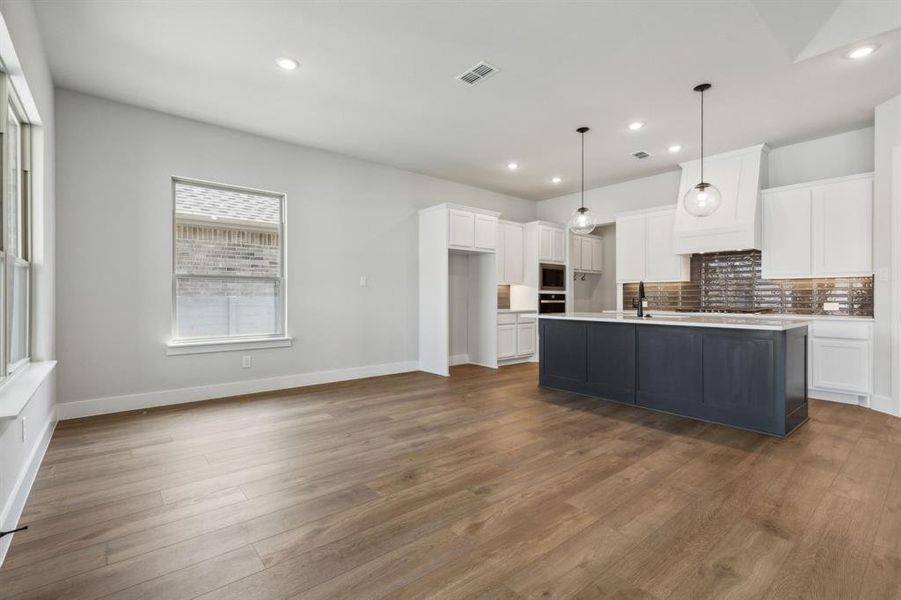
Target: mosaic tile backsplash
{"points": [[731, 282]]}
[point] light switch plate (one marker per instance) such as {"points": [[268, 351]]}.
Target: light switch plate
{"points": [[363, 281], [246, 361], [830, 306]]}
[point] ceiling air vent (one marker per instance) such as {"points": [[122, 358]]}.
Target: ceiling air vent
{"points": [[641, 154], [477, 73]]}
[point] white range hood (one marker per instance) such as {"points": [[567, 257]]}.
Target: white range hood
{"points": [[736, 224]]}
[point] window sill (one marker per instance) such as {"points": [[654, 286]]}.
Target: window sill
{"points": [[206, 347], [18, 389]]}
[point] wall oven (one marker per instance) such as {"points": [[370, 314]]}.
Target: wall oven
{"points": [[551, 303], [553, 278]]}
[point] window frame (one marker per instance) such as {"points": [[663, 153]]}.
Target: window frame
{"points": [[11, 261], [177, 345]]}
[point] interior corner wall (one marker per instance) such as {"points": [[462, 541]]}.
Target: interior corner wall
{"points": [[887, 259], [345, 218], [23, 440]]}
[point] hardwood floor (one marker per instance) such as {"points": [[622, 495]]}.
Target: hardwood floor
{"points": [[481, 485]]}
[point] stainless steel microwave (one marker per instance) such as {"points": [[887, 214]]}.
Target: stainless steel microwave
{"points": [[553, 278]]}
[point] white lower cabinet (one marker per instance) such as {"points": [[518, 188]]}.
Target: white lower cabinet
{"points": [[525, 338], [506, 341], [515, 335], [841, 360]]}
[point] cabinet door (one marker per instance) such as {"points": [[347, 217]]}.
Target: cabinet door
{"points": [[545, 243], [630, 249], [525, 338], [597, 255], [843, 228], [460, 228], [506, 341], [661, 261], [840, 365], [559, 238], [501, 254], [513, 253], [485, 232], [575, 253], [786, 234], [585, 252]]}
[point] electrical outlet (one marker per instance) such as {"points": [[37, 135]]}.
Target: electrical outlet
{"points": [[24, 430], [363, 281], [245, 361]]}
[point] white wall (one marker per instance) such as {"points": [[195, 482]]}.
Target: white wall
{"points": [[887, 258], [24, 58], [832, 156], [346, 218], [846, 153]]}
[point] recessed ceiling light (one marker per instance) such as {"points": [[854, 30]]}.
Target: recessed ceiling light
{"points": [[636, 125], [861, 51], [288, 64], [674, 148], [556, 180], [512, 166]]}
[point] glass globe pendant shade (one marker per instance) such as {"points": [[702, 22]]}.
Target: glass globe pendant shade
{"points": [[702, 200], [582, 221]]}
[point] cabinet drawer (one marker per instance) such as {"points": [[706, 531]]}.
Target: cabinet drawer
{"points": [[506, 318], [843, 330]]}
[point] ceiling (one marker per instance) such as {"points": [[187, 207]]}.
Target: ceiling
{"points": [[377, 78]]}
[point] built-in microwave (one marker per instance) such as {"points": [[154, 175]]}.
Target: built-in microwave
{"points": [[553, 278], [551, 303]]}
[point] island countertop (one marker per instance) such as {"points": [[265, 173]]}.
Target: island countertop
{"points": [[715, 321]]}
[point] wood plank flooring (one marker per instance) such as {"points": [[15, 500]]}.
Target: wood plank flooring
{"points": [[481, 485]]}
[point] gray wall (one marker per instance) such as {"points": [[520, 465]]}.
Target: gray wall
{"points": [[39, 415], [345, 218], [832, 156]]}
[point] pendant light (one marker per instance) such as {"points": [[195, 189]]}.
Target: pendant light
{"points": [[582, 221], [703, 199]]}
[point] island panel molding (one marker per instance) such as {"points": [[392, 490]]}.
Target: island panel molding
{"points": [[752, 377]]}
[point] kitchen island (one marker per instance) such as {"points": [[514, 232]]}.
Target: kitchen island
{"points": [[749, 373]]}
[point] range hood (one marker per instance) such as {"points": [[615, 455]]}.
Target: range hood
{"points": [[736, 224]]}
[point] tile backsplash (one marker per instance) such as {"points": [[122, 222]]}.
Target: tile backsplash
{"points": [[503, 296], [732, 282]]}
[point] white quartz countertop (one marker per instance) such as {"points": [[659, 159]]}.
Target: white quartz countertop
{"points": [[517, 310], [688, 320]]}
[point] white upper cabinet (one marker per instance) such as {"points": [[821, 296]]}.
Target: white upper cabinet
{"points": [[471, 229], [630, 248], [587, 253], [661, 262], [842, 228], [735, 225], [819, 229], [461, 231], [485, 232], [786, 234], [551, 242], [644, 248], [509, 252]]}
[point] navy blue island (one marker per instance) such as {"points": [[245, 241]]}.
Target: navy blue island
{"points": [[745, 372]]}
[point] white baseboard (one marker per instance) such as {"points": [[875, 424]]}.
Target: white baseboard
{"points": [[458, 359], [853, 399], [114, 404], [9, 519], [885, 404]]}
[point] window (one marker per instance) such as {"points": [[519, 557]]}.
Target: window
{"points": [[15, 265], [228, 275]]}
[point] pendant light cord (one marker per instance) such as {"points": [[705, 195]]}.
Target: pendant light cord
{"points": [[702, 136], [583, 169]]}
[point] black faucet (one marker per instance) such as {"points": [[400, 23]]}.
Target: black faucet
{"points": [[641, 298]]}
